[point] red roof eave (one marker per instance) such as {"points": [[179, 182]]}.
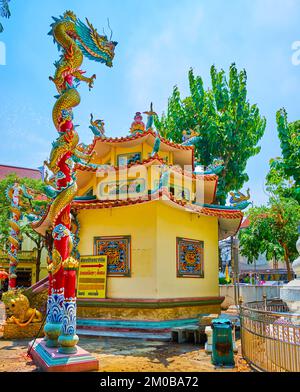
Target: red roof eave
{"points": [[95, 204], [206, 177]]}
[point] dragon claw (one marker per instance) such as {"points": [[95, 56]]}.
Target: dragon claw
{"points": [[91, 81]]}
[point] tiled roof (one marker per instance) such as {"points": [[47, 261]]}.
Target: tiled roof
{"points": [[82, 167], [245, 223], [156, 158], [137, 136], [229, 219], [20, 171], [212, 211]]}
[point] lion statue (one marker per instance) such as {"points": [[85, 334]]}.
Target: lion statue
{"points": [[20, 312]]}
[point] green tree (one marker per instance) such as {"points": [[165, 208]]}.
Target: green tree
{"points": [[36, 186], [228, 125], [288, 166], [278, 182], [272, 229]]}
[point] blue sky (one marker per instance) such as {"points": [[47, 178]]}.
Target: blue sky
{"points": [[159, 40]]}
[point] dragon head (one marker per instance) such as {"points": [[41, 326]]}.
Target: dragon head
{"points": [[93, 45]]}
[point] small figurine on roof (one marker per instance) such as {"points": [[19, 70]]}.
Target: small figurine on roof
{"points": [[97, 127], [216, 167], [185, 136], [239, 200], [189, 137], [150, 117], [137, 125]]}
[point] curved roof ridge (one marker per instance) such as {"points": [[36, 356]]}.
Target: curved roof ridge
{"points": [[137, 136]]}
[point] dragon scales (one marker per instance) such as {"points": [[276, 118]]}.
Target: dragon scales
{"points": [[76, 40]]}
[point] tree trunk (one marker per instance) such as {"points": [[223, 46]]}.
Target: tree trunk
{"points": [[38, 263], [287, 262]]}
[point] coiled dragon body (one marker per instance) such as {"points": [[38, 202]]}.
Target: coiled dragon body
{"points": [[76, 40]]}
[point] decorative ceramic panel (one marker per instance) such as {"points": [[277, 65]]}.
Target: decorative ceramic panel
{"points": [[118, 252], [189, 254]]}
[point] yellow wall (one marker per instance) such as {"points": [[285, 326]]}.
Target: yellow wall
{"points": [[153, 228], [140, 223], [28, 244], [27, 261], [174, 223]]}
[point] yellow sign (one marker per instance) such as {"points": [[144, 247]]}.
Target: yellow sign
{"points": [[92, 277]]}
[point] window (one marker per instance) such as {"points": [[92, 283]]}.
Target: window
{"points": [[129, 158]]}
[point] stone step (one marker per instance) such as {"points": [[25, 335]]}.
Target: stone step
{"points": [[163, 325], [125, 334]]}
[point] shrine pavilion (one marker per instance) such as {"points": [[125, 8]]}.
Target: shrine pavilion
{"points": [[141, 203]]}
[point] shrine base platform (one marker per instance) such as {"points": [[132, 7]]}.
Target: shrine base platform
{"points": [[151, 319], [50, 360]]}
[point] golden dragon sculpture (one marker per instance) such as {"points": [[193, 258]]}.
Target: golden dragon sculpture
{"points": [[75, 39]]}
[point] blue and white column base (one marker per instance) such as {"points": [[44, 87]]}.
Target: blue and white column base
{"points": [[53, 325], [68, 338]]}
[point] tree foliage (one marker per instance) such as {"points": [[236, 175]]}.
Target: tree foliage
{"points": [[272, 230], [284, 175], [277, 181], [229, 126], [35, 185]]}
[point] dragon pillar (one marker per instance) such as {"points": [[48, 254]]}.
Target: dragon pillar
{"points": [[13, 194], [75, 39]]}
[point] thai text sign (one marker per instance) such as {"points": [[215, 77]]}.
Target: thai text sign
{"points": [[92, 277]]}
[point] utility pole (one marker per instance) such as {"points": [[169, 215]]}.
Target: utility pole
{"points": [[235, 268]]}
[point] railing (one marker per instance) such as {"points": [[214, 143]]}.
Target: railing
{"points": [[270, 336]]}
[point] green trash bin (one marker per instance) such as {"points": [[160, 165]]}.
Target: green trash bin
{"points": [[222, 346]]}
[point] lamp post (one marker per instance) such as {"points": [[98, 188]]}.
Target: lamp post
{"points": [[235, 267]]}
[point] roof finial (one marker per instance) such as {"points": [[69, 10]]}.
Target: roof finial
{"points": [[137, 126], [150, 117]]}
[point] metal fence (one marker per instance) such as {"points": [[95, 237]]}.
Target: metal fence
{"points": [[270, 336]]}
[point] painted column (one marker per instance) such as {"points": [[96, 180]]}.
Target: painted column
{"points": [[70, 35], [63, 242], [60, 253], [68, 338], [49, 246], [13, 194], [53, 324]]}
